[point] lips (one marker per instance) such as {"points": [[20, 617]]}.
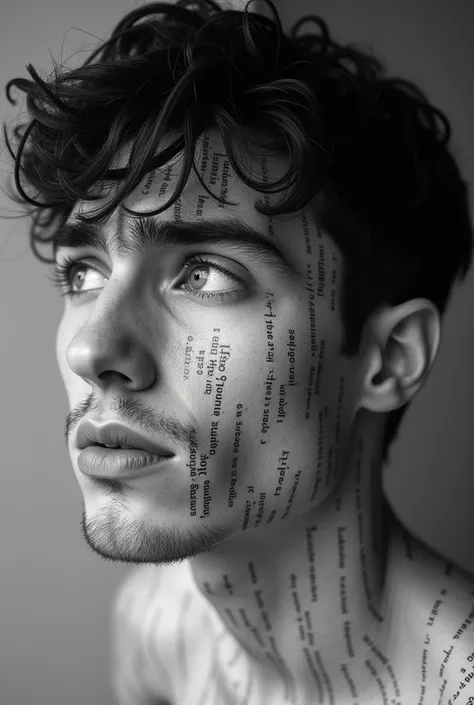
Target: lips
{"points": [[116, 434], [107, 463]]}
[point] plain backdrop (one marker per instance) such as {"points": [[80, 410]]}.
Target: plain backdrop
{"points": [[55, 593]]}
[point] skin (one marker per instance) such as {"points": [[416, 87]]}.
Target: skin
{"points": [[287, 568]]}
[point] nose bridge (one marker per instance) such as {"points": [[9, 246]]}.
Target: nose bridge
{"points": [[114, 336], [116, 309]]}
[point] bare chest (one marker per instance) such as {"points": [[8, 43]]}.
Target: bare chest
{"points": [[202, 662]]}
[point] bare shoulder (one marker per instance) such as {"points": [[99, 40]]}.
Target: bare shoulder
{"points": [[435, 599]]}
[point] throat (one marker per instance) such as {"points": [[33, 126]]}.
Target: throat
{"points": [[305, 609]]}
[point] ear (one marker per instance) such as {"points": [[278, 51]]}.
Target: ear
{"points": [[401, 344]]}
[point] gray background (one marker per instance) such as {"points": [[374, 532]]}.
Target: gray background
{"points": [[55, 594]]}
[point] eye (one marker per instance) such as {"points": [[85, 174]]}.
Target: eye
{"points": [[203, 279], [63, 274], [208, 280]]}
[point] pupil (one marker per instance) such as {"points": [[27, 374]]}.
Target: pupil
{"points": [[200, 275]]}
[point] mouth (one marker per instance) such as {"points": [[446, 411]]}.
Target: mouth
{"points": [[117, 447], [119, 462], [114, 435]]}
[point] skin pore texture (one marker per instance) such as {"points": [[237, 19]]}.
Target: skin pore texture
{"points": [[269, 567]]}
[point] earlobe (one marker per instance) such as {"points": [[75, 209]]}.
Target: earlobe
{"points": [[405, 342]]}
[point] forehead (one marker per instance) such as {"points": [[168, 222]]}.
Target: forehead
{"points": [[288, 239], [216, 172]]}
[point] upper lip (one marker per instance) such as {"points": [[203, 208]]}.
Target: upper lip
{"points": [[116, 434]]}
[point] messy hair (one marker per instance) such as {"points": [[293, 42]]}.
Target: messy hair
{"points": [[367, 154]]}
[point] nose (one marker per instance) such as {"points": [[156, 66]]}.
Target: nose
{"points": [[112, 346]]}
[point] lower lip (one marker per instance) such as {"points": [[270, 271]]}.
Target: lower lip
{"points": [[109, 463]]}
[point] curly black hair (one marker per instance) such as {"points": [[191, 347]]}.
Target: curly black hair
{"points": [[368, 154]]}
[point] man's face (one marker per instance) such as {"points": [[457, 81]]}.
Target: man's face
{"points": [[239, 372]]}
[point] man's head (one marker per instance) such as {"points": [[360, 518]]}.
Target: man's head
{"points": [[337, 311]]}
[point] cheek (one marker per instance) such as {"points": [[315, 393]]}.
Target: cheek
{"points": [[264, 395]]}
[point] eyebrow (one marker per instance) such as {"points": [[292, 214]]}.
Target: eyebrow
{"points": [[138, 235]]}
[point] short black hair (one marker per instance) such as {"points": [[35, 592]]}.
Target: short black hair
{"points": [[367, 153]]}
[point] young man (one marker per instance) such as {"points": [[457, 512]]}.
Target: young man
{"points": [[251, 342]]}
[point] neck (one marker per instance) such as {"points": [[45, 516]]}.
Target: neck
{"points": [[301, 598]]}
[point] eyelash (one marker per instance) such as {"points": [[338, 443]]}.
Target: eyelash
{"points": [[61, 277]]}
